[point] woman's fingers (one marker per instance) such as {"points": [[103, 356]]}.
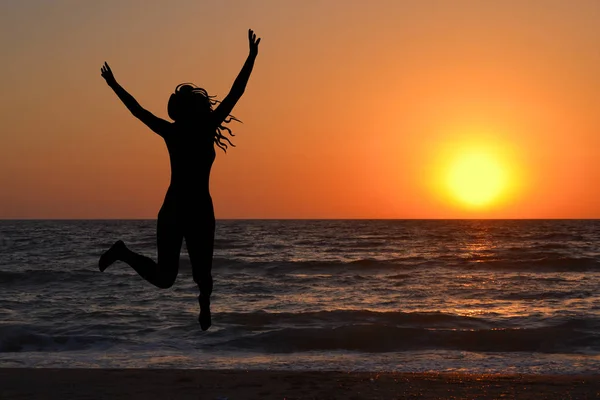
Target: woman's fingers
{"points": [[252, 37], [105, 70]]}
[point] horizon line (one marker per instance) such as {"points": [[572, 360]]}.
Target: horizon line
{"points": [[314, 219]]}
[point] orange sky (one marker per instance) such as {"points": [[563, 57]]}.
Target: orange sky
{"points": [[348, 114]]}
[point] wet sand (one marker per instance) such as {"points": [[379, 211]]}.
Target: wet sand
{"points": [[131, 384]]}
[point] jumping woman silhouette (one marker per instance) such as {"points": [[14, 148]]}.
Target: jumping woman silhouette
{"points": [[187, 211]]}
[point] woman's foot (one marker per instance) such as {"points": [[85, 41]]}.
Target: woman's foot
{"points": [[111, 255], [204, 317]]}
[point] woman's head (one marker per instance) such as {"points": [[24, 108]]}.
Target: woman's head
{"points": [[189, 103], [192, 104]]}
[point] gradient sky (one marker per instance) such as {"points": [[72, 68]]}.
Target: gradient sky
{"points": [[349, 112]]}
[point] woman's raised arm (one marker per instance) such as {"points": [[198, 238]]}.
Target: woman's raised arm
{"points": [[239, 85], [158, 125]]}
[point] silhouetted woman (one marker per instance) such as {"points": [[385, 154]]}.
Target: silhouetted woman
{"points": [[187, 211]]}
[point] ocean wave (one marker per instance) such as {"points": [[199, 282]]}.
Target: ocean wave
{"points": [[46, 276], [425, 320], [544, 295], [544, 264], [376, 338], [227, 244], [19, 338], [399, 276], [7, 277], [314, 265], [358, 245], [560, 236]]}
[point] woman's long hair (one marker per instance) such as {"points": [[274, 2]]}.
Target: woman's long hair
{"points": [[190, 100]]}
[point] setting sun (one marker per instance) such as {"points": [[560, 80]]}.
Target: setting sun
{"points": [[476, 179], [478, 169]]}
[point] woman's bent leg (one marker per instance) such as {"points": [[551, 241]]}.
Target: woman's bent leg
{"points": [[169, 239]]}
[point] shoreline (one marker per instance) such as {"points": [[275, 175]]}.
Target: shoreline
{"points": [[75, 383]]}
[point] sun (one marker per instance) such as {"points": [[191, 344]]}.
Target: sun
{"points": [[476, 178], [476, 170]]}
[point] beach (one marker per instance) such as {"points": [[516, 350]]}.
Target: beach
{"points": [[49, 383]]}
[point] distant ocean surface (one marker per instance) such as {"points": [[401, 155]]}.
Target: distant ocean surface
{"points": [[487, 296]]}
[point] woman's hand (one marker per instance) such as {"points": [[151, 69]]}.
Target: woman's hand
{"points": [[253, 42], [107, 74]]}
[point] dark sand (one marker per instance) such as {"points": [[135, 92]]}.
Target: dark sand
{"points": [[131, 384]]}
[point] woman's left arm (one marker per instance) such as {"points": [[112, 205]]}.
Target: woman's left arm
{"points": [[239, 85]]}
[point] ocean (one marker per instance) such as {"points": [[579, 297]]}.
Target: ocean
{"points": [[482, 296]]}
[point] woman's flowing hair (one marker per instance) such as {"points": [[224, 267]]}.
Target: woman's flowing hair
{"points": [[201, 102]]}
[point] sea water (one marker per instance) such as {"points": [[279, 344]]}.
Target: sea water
{"points": [[511, 296]]}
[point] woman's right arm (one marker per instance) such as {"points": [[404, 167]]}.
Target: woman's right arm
{"points": [[158, 125]]}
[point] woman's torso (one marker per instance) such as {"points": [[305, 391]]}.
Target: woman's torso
{"points": [[191, 154]]}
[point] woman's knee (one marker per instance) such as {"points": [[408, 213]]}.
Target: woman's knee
{"points": [[202, 277], [166, 281]]}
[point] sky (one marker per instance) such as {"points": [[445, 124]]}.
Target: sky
{"points": [[355, 109]]}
